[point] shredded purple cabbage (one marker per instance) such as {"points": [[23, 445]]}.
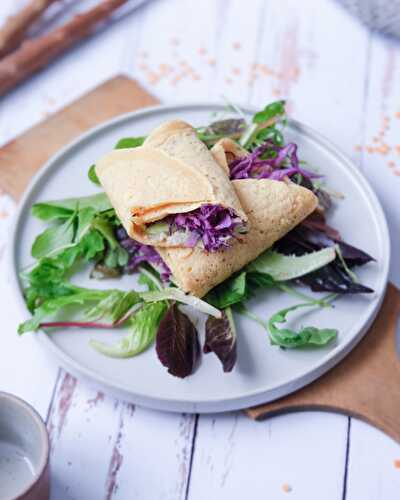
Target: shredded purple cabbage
{"points": [[213, 225], [283, 163], [139, 253]]}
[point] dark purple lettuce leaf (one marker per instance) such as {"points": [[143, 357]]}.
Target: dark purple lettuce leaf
{"points": [[214, 225], [227, 127], [232, 128], [316, 222], [323, 196], [221, 339], [333, 278], [313, 234], [177, 344], [139, 253]]}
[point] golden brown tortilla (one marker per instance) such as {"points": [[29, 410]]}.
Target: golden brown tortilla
{"points": [[273, 209], [173, 172], [226, 150]]}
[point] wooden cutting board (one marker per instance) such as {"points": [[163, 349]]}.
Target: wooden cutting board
{"points": [[22, 157], [366, 384]]}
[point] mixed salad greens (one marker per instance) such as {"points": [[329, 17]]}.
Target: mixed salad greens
{"points": [[87, 231]]}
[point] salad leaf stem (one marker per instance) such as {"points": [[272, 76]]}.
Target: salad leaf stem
{"points": [[324, 302], [352, 274], [76, 324], [244, 311]]}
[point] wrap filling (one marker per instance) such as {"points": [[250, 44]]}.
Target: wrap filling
{"points": [[211, 227]]}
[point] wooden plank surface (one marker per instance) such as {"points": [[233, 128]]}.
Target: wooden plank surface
{"points": [[276, 460], [338, 91], [21, 158]]}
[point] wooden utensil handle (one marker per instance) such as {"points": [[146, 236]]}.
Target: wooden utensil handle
{"points": [[37, 53], [15, 28]]}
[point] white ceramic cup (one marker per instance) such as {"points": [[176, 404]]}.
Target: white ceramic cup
{"points": [[24, 451]]}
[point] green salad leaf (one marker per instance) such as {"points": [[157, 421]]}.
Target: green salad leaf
{"points": [[63, 209], [124, 143], [264, 126], [54, 238], [76, 296], [129, 142], [148, 278], [288, 267], [231, 291], [112, 307], [306, 336], [266, 271], [48, 277], [90, 246], [273, 110], [143, 329], [93, 176]]}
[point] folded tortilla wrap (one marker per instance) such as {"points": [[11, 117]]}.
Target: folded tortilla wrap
{"points": [[226, 150], [172, 173], [273, 209]]}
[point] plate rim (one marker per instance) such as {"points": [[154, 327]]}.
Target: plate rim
{"points": [[216, 404]]}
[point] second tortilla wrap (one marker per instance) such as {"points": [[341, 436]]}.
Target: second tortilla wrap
{"points": [[273, 209], [173, 172]]}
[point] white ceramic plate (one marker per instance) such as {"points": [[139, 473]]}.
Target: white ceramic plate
{"points": [[263, 372]]}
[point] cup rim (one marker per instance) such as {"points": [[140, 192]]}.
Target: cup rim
{"points": [[44, 438]]}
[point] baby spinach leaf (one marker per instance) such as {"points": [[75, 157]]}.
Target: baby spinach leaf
{"points": [[54, 238], [63, 209], [47, 278], [91, 245], [116, 255], [257, 280], [85, 218], [229, 292], [105, 227]]}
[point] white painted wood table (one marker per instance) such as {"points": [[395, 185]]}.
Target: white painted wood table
{"points": [[337, 77]]}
